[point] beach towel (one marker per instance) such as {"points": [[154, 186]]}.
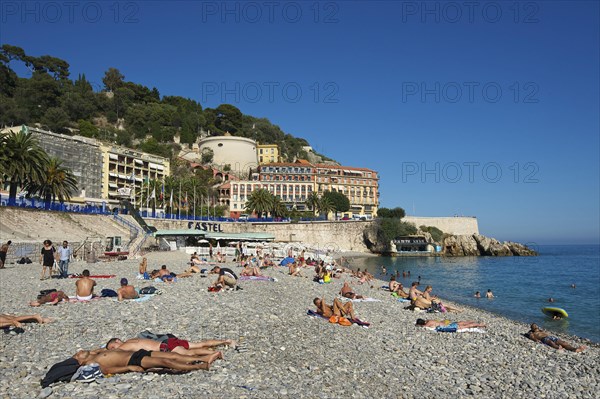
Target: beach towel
{"points": [[460, 330], [257, 278], [356, 321], [73, 299], [94, 276], [344, 299], [143, 298]]}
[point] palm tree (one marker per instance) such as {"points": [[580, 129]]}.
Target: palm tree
{"points": [[312, 202], [278, 209], [325, 206], [58, 183], [22, 161], [259, 202]]}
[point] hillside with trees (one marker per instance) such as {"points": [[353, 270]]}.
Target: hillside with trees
{"points": [[120, 111]]}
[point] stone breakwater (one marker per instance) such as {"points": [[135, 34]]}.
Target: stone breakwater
{"points": [[288, 353]]}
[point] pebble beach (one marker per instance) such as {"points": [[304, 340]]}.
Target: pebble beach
{"points": [[284, 352]]}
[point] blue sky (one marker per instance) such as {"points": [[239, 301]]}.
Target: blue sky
{"points": [[489, 111]]}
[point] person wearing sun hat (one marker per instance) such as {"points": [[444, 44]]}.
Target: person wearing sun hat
{"points": [[126, 291]]}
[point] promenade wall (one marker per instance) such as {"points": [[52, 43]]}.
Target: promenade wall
{"points": [[459, 225], [347, 235]]}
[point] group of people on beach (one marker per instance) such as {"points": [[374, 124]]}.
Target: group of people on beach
{"points": [[140, 354]]}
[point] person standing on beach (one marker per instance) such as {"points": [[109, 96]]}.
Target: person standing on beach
{"points": [[64, 254], [47, 258], [3, 252], [537, 335]]}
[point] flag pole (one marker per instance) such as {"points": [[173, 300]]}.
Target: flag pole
{"points": [[179, 202]]}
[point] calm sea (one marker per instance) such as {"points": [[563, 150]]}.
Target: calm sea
{"points": [[521, 285]]}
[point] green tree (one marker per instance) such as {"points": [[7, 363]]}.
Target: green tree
{"points": [[436, 233], [113, 79], [340, 202], [56, 119], [154, 147], [325, 207], [278, 208], [207, 156], [38, 94], [87, 128], [229, 118], [58, 182], [312, 202], [397, 213], [22, 161], [260, 202], [392, 228]]}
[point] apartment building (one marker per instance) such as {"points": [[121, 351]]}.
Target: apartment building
{"points": [[124, 168], [360, 185]]}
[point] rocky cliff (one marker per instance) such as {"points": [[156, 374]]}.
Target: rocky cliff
{"points": [[478, 245], [454, 245]]}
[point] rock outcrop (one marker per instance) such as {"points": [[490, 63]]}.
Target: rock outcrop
{"points": [[478, 245], [373, 241]]}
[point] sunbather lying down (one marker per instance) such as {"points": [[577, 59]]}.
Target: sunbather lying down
{"points": [[337, 309], [117, 361], [52, 298], [537, 335], [176, 345], [446, 323], [7, 320]]}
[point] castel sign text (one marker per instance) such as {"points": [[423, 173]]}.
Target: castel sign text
{"points": [[215, 227]]}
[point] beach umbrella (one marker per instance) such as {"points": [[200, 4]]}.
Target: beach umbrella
{"points": [[203, 241]]}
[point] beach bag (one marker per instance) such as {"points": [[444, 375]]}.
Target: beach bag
{"points": [[148, 290], [435, 308], [62, 371], [108, 293]]}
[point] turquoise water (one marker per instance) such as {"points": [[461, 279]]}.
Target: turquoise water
{"points": [[521, 285]]}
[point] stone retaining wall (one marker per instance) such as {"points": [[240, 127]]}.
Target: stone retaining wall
{"points": [[347, 235], [459, 225]]}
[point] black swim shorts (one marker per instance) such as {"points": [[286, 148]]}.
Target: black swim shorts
{"points": [[136, 357]]}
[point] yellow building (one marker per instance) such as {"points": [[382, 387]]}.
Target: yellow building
{"points": [[124, 168], [360, 185], [267, 153]]}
